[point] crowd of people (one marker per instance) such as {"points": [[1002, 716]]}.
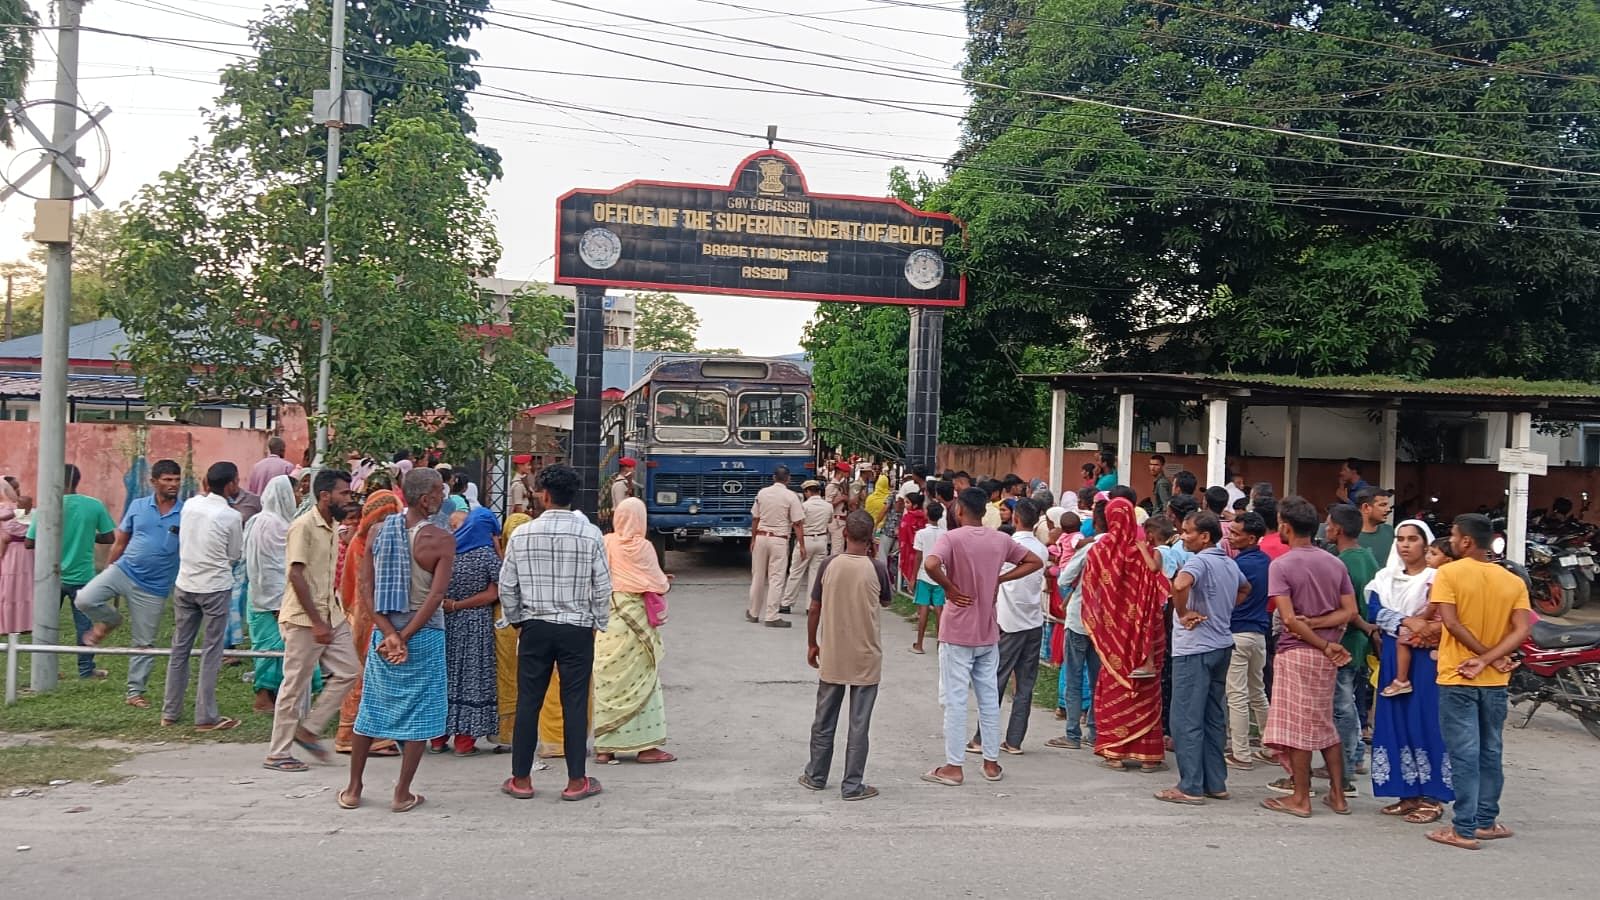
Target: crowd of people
{"points": [[401, 606], [1224, 626]]}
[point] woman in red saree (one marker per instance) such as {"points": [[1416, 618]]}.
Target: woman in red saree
{"points": [[912, 522], [1124, 592]]}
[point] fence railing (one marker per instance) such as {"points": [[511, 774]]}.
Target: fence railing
{"points": [[15, 648]]}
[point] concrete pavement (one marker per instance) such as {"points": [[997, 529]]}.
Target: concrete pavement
{"points": [[728, 820]]}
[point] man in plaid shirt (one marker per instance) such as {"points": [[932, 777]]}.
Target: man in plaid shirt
{"points": [[555, 587]]}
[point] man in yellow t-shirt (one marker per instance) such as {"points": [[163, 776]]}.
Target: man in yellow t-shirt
{"points": [[1486, 617]]}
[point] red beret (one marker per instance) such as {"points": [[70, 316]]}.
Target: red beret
{"points": [[628, 462], [522, 459], [842, 467]]}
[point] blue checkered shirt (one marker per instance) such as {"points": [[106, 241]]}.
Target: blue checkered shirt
{"points": [[555, 570]]}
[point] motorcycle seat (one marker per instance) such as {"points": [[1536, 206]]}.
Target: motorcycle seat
{"points": [[1548, 635]]}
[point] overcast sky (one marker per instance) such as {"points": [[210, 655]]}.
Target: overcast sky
{"points": [[157, 90]]}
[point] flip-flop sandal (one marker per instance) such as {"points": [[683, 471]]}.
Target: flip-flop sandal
{"points": [[1449, 838], [511, 790], [1497, 833], [919, 652], [137, 702], [287, 764], [810, 785], [1276, 805], [1219, 795], [867, 792], [656, 760], [932, 776], [473, 752], [348, 804], [995, 777], [316, 749], [1426, 814], [390, 749], [95, 635], [1402, 808], [416, 801], [974, 748], [1114, 765], [222, 724], [591, 786], [1011, 750], [1173, 795], [1151, 770], [1328, 802]]}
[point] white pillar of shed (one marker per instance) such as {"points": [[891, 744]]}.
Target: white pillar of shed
{"points": [[1517, 499], [1125, 438], [1389, 450], [1058, 438], [1291, 452], [1216, 443]]}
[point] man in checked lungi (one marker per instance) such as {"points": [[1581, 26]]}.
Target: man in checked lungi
{"points": [[403, 580], [1311, 590]]}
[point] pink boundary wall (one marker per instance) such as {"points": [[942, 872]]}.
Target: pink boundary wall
{"points": [[109, 454], [1459, 487]]}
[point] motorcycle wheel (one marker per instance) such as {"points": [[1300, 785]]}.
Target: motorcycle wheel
{"points": [[1580, 597], [1551, 599], [1591, 722]]}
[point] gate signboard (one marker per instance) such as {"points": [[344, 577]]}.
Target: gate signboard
{"points": [[764, 234]]}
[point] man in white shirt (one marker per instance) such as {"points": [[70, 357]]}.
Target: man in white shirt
{"points": [[803, 567], [210, 541], [1020, 612]]}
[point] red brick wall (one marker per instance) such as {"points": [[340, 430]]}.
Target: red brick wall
{"points": [[1459, 487]]}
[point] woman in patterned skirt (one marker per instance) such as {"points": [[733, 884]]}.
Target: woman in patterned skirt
{"points": [[629, 715], [469, 650]]}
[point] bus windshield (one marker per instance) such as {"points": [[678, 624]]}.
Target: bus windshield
{"points": [[689, 415], [772, 418]]}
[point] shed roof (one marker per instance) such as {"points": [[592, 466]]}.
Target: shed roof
{"points": [[1569, 400]]}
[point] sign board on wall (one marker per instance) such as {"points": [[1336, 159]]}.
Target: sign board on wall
{"points": [[1514, 461], [764, 234]]}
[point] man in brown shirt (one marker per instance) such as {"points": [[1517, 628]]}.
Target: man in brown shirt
{"points": [[845, 647], [315, 633], [776, 513], [837, 493]]}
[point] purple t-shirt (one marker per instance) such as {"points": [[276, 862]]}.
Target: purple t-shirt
{"points": [[972, 558], [1313, 579]]}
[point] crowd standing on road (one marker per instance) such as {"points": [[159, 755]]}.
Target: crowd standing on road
{"points": [[1225, 626]]}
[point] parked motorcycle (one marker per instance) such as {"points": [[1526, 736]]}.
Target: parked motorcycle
{"points": [[1560, 665], [1554, 577]]}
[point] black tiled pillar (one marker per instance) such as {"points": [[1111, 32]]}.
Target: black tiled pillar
{"points": [[922, 386], [590, 343]]}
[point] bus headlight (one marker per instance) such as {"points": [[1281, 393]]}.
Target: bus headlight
{"points": [[694, 509], [666, 498]]}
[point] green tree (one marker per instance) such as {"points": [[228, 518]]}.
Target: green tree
{"points": [[1262, 251], [664, 322], [16, 58], [94, 248], [221, 271]]}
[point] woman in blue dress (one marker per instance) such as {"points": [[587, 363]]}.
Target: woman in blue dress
{"points": [[1409, 760]]}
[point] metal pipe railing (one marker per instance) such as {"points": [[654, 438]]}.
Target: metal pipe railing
{"points": [[14, 647]]}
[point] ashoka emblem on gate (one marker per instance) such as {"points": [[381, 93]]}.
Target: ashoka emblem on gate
{"points": [[772, 171], [732, 487]]}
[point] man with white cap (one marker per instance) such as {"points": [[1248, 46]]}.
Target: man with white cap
{"points": [[803, 567]]}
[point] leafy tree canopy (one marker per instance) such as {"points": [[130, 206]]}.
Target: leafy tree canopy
{"points": [[16, 58], [664, 322]]}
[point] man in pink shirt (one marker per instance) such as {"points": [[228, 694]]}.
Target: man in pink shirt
{"points": [[269, 468], [966, 562]]}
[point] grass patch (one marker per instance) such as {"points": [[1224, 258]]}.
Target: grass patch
{"points": [[89, 710], [36, 765], [1047, 690]]}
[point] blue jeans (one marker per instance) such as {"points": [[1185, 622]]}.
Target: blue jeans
{"points": [[1200, 720], [1080, 657], [977, 668], [1347, 720], [1472, 720], [80, 624]]}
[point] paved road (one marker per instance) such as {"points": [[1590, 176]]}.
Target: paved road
{"points": [[729, 820]]}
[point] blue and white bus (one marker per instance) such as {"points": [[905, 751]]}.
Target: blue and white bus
{"points": [[707, 433]]}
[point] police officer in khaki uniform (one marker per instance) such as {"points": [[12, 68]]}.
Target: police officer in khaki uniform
{"points": [[775, 515], [803, 567], [837, 495]]}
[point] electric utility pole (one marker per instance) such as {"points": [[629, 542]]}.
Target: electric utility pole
{"points": [[335, 121]]}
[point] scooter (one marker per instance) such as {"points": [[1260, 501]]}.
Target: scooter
{"points": [[1560, 665]]}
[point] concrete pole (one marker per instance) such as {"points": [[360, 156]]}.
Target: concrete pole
{"points": [[1216, 443], [923, 379], [1058, 439], [590, 345], [47, 517], [1125, 438], [1389, 451], [331, 178], [1517, 500], [1291, 452]]}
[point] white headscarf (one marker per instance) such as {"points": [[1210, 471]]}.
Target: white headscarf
{"points": [[1411, 597], [266, 545]]}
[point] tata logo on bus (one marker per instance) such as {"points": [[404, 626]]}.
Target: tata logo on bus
{"points": [[764, 234], [732, 487]]}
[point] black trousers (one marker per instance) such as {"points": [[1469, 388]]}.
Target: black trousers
{"points": [[569, 650], [1019, 656]]}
